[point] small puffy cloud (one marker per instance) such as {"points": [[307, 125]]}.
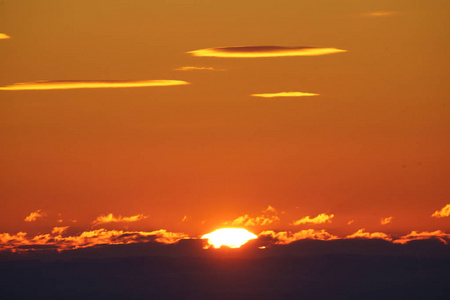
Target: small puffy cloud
{"points": [[284, 94], [322, 218], [110, 218], [88, 84], [385, 221], [263, 51], [35, 215], [267, 217], [444, 212], [380, 14], [350, 222], [4, 36], [185, 219], [287, 237], [361, 234], [59, 230], [424, 235], [21, 242], [192, 68]]}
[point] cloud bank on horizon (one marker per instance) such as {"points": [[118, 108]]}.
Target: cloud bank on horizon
{"points": [[21, 242], [55, 241], [88, 84], [263, 51]]}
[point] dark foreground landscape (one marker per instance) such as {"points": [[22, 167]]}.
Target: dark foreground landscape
{"points": [[420, 270]]}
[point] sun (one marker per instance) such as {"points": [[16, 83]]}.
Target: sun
{"points": [[230, 237]]}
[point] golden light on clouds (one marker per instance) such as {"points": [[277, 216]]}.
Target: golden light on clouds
{"points": [[287, 237], [362, 234], [267, 217], [21, 241], [284, 94], [444, 212], [59, 230], [424, 235], [385, 221], [110, 218], [4, 36], [321, 218], [263, 51], [229, 237], [88, 84], [35, 215]]}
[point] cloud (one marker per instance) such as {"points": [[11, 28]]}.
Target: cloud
{"points": [[4, 36], [59, 230], [322, 218], [20, 241], [88, 84], [191, 68], [109, 218], [444, 212], [424, 235], [268, 216], [380, 14], [350, 222], [35, 215], [287, 237], [385, 221], [263, 51], [185, 219], [361, 234], [284, 94]]}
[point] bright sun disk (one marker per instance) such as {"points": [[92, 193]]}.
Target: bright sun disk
{"points": [[230, 237]]}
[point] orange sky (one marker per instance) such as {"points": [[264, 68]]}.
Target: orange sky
{"points": [[198, 151]]}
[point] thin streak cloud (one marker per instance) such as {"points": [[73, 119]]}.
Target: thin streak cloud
{"points": [[191, 68], [283, 94], [380, 14], [88, 84], [263, 51], [4, 36]]}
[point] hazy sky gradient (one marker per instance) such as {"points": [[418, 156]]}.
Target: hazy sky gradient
{"points": [[374, 144]]}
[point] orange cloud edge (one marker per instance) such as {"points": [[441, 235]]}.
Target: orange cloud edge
{"points": [[4, 36]]}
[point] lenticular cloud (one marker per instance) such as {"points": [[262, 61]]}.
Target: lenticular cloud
{"points": [[263, 51]]}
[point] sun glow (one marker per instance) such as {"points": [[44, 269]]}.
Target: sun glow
{"points": [[230, 237]]}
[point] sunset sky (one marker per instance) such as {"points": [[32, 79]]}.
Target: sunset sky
{"points": [[191, 115]]}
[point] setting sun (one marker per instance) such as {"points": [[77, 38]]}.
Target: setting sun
{"points": [[230, 237]]}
